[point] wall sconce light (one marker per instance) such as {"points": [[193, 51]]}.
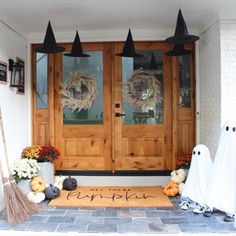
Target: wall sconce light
{"points": [[17, 74]]}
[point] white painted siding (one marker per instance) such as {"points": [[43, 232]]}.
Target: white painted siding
{"points": [[210, 91], [228, 69], [14, 106]]}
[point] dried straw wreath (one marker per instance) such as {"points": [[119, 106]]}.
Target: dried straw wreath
{"points": [[79, 91], [142, 81]]}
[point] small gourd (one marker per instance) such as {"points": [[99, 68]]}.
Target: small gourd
{"points": [[58, 182], [181, 188], [38, 184], [171, 189], [178, 176], [69, 184], [51, 192], [35, 197]]}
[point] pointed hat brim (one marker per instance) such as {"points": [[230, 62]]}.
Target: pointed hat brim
{"points": [[182, 39], [178, 52], [129, 54], [73, 54], [48, 50]]}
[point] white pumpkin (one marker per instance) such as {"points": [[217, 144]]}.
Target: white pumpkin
{"points": [[181, 188], [178, 176], [36, 197], [58, 182]]}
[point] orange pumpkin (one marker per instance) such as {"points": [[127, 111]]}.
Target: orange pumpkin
{"points": [[38, 184], [171, 189]]}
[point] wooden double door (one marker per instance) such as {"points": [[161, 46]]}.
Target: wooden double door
{"points": [[119, 131]]}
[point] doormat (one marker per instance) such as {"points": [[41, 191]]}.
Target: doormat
{"points": [[113, 196]]}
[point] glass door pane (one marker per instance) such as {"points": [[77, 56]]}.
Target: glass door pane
{"points": [[83, 82], [142, 88], [41, 81], [184, 63]]}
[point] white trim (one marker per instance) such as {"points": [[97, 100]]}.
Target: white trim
{"points": [[198, 94], [108, 35], [29, 93], [11, 25]]}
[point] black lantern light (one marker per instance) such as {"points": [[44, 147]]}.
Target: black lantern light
{"points": [[17, 74]]}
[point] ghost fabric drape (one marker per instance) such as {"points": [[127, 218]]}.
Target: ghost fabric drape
{"points": [[200, 170], [221, 193]]}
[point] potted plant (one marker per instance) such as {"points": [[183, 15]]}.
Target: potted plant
{"points": [[44, 155], [184, 161], [23, 170]]}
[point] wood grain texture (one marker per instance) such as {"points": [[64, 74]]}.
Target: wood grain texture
{"points": [[144, 147], [113, 145], [92, 143]]}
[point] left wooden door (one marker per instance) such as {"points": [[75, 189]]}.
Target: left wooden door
{"points": [[84, 137]]}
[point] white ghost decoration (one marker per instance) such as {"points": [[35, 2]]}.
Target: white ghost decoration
{"points": [[222, 185], [196, 185]]}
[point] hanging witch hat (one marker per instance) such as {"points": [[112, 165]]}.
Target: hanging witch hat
{"points": [[181, 32], [76, 50], [49, 44], [178, 50], [129, 50], [153, 65]]}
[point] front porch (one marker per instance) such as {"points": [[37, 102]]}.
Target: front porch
{"points": [[129, 221], [213, 86]]}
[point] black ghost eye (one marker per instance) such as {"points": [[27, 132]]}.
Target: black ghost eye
{"points": [[198, 153], [227, 128], [233, 129], [194, 152]]}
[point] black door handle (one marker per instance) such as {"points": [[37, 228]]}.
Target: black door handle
{"points": [[119, 114]]}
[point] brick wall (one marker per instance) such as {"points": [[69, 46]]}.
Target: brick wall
{"points": [[228, 69], [210, 88]]}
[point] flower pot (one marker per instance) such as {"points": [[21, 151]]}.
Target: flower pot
{"points": [[46, 172], [25, 186]]}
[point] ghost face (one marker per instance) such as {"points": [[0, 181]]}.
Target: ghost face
{"points": [[200, 151], [229, 128], [228, 134]]}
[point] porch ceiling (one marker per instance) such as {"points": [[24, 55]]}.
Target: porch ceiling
{"points": [[31, 16]]}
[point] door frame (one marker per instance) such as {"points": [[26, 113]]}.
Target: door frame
{"points": [[43, 120]]}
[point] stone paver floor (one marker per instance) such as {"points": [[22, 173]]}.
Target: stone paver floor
{"points": [[122, 220]]}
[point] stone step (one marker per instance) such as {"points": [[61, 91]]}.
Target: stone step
{"points": [[121, 180]]}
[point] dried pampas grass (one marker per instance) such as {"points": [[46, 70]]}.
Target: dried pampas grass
{"points": [[74, 96], [133, 89]]}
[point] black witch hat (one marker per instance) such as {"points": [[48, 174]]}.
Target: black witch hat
{"points": [[153, 65], [178, 50], [76, 50], [49, 43], [129, 50], [181, 32]]}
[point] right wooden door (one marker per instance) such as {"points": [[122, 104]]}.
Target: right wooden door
{"points": [[142, 109]]}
